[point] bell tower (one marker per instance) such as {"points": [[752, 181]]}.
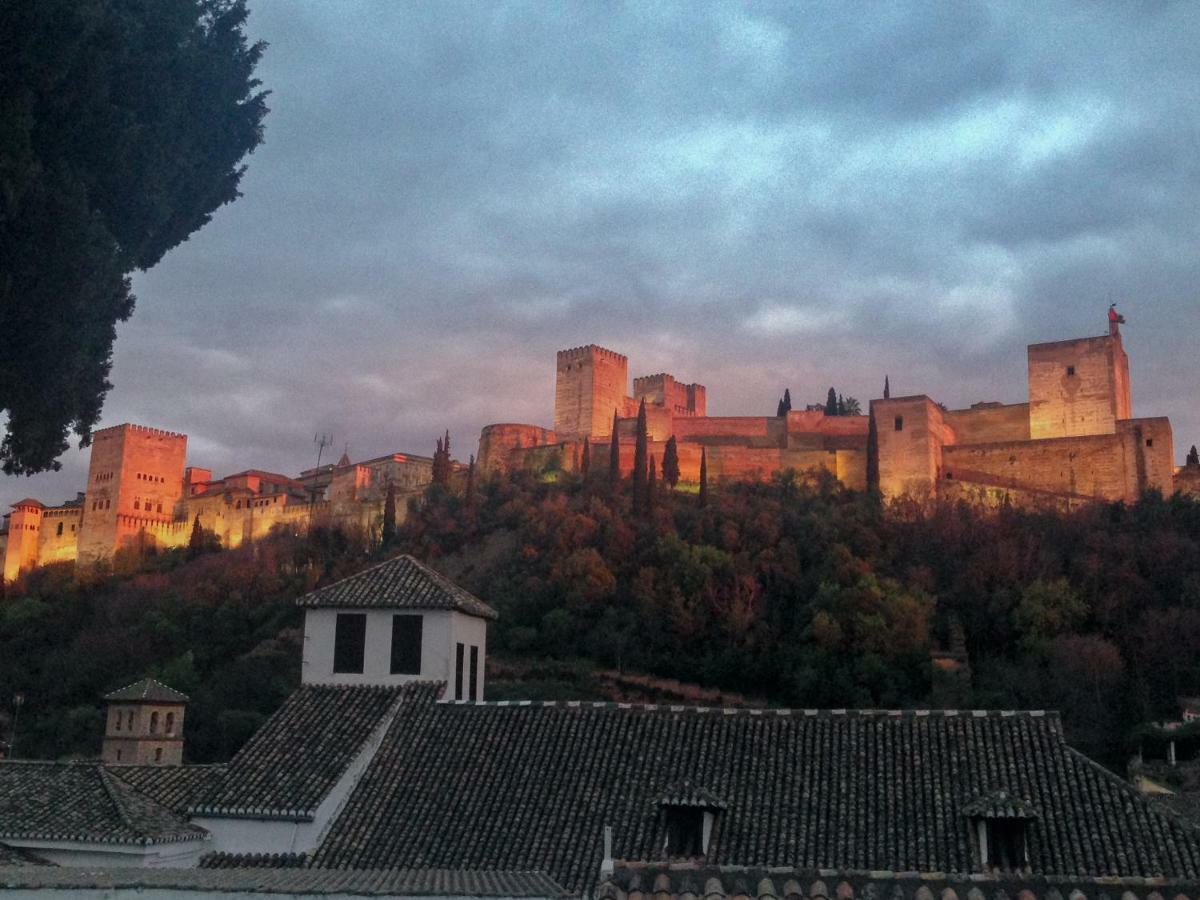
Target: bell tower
{"points": [[144, 725]]}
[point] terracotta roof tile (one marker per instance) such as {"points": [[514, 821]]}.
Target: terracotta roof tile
{"points": [[401, 583], [532, 785], [83, 802], [290, 763], [175, 787], [148, 690]]}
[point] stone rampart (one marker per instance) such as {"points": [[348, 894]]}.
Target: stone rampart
{"points": [[496, 443], [986, 423]]}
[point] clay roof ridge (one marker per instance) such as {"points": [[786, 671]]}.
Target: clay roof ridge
{"points": [[827, 713], [148, 689]]}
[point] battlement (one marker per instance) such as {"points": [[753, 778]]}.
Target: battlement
{"points": [[590, 351], [139, 429]]}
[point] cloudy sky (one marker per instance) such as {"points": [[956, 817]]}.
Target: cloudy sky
{"points": [[752, 196]]}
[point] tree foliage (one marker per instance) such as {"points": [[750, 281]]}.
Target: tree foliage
{"points": [[670, 463], [1193, 457], [123, 127]]}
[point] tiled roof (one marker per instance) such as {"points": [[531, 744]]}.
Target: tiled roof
{"points": [[667, 882], [999, 804], [532, 785], [289, 765], [147, 691], [83, 802], [401, 583], [175, 787], [393, 883]]}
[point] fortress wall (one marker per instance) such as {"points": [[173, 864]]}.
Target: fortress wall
{"points": [[813, 421], [1077, 387], [53, 546], [663, 390], [911, 434], [1088, 467], [751, 431], [985, 424], [851, 468], [496, 442]]}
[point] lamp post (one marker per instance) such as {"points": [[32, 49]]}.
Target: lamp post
{"points": [[18, 701]]}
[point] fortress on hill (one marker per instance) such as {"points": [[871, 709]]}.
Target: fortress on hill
{"points": [[140, 493], [1074, 441]]}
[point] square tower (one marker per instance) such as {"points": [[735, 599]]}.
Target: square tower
{"points": [[1078, 387], [144, 725], [135, 478], [590, 385]]}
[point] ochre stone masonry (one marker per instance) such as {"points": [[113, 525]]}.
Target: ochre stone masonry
{"points": [[1073, 442], [140, 494]]}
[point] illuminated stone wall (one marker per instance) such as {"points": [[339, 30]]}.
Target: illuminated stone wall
{"points": [[591, 383], [1078, 387]]}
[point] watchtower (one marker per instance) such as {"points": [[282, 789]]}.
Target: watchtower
{"points": [[144, 725], [135, 477], [1078, 387], [24, 526], [590, 384]]}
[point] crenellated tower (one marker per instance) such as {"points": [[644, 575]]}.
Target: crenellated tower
{"points": [[590, 384]]}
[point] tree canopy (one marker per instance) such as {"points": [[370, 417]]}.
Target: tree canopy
{"points": [[123, 126]]}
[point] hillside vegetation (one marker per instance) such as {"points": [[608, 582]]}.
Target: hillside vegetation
{"points": [[796, 591]]}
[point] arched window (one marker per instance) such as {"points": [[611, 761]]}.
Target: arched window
{"points": [[154, 723], [129, 721], [118, 717], [170, 723]]}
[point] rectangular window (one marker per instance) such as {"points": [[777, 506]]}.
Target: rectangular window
{"points": [[406, 645], [458, 672], [349, 643], [899, 423], [1149, 442], [474, 684], [1070, 370]]}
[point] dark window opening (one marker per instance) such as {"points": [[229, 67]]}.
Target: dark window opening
{"points": [[60, 529], [474, 683], [899, 423], [1070, 370], [1006, 849], [153, 723], [171, 723], [349, 643], [685, 831], [949, 476], [1149, 442], [158, 754], [118, 756], [458, 671], [406, 645]]}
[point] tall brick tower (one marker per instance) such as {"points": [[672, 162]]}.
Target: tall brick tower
{"points": [[135, 478], [24, 528], [1078, 387], [591, 383]]}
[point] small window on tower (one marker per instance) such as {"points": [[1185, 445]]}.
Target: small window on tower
{"points": [[1149, 442], [158, 754], [60, 529], [1070, 370], [899, 423]]}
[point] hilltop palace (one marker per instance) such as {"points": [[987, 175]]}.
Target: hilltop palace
{"points": [[1074, 441]]}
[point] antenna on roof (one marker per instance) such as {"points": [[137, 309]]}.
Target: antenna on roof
{"points": [[322, 441]]}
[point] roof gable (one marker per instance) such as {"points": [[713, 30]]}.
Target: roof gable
{"points": [[83, 802], [532, 786], [295, 758], [148, 690], [399, 583]]}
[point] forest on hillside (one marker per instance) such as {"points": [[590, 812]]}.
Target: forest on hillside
{"points": [[796, 591]]}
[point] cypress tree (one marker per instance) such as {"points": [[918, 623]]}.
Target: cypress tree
{"points": [[639, 459], [585, 464], [389, 515], [779, 410], [703, 477], [1193, 457], [787, 401], [831, 408], [651, 487], [614, 456], [670, 463], [196, 540], [887, 388], [841, 405], [872, 454]]}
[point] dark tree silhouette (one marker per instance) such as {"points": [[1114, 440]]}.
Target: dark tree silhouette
{"points": [[388, 533], [651, 487], [125, 124], [196, 539], [787, 400], [1193, 458], [639, 459], [703, 477], [614, 456], [585, 464], [887, 388], [831, 403], [670, 463], [872, 454]]}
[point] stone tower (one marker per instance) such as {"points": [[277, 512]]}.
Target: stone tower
{"points": [[590, 384], [1078, 387], [135, 477], [144, 725], [24, 527]]}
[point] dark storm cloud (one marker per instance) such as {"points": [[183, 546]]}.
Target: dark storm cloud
{"points": [[753, 196]]}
